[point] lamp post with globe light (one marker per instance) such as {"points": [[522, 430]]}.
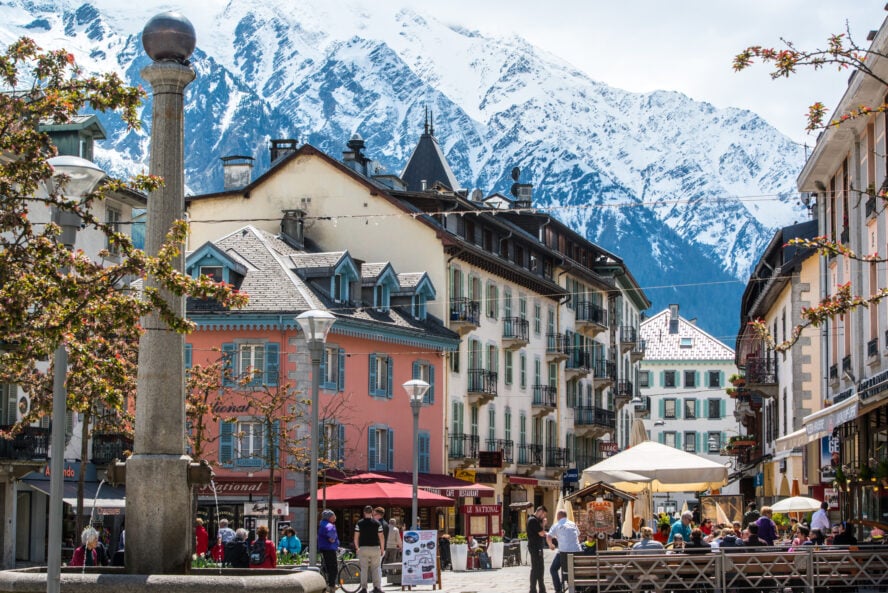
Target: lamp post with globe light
{"points": [[416, 390], [315, 325], [74, 178]]}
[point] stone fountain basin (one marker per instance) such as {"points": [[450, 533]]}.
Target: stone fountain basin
{"points": [[231, 580]]}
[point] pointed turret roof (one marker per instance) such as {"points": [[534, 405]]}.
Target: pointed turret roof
{"points": [[427, 163]]}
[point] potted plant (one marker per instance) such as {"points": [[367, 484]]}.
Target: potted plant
{"points": [[495, 551], [459, 552], [522, 546]]}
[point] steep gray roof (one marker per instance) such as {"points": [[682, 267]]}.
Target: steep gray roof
{"points": [[427, 163]]}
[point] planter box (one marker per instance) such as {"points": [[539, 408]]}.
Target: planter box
{"points": [[458, 556], [495, 551]]}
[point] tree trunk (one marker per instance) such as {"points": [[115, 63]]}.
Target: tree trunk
{"points": [[272, 443]]}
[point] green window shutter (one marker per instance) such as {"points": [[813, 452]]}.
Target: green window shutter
{"points": [[187, 356], [272, 363], [662, 409], [416, 370], [698, 408], [722, 404], [662, 378], [340, 382], [699, 443], [388, 381], [662, 438], [226, 442], [229, 353], [424, 452], [372, 374], [430, 394]]}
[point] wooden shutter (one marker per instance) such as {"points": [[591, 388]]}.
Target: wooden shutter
{"points": [[226, 442], [391, 450], [340, 380], [372, 374], [371, 448], [388, 380], [272, 363], [430, 394]]}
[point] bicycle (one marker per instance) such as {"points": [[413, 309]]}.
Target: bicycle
{"points": [[348, 571]]}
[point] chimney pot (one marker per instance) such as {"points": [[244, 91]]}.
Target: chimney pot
{"points": [[237, 171]]}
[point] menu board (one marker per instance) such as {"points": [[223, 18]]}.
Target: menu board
{"points": [[418, 562], [600, 517]]}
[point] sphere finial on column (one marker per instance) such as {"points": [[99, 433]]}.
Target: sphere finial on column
{"points": [[169, 36]]}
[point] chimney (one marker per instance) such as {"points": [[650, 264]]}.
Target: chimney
{"points": [[237, 171], [354, 157], [281, 148], [522, 192], [293, 228]]}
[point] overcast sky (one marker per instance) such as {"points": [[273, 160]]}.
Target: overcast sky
{"points": [[682, 45]]}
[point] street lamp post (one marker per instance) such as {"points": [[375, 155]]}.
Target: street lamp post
{"points": [[82, 177], [315, 325], [416, 390]]}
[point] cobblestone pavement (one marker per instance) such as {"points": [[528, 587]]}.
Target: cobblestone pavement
{"points": [[515, 579]]}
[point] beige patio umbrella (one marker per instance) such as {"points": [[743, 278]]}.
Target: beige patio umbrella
{"points": [[721, 518], [626, 529], [643, 506]]}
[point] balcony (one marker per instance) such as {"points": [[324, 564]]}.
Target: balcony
{"points": [[637, 352], [834, 373], [642, 406], [30, 444], [846, 367], [604, 374], [464, 315], [578, 365], [744, 448], [761, 375], [592, 421], [625, 390], [591, 319], [628, 338], [557, 457], [507, 448], [871, 206], [545, 400], [557, 347], [530, 455], [463, 446], [108, 447], [482, 386], [872, 349], [515, 332], [584, 461]]}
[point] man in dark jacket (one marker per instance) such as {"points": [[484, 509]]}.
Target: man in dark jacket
{"points": [[237, 553]]}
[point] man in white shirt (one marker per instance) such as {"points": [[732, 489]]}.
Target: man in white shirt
{"points": [[567, 535], [820, 521]]}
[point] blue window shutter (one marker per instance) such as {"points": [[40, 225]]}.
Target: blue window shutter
{"points": [[699, 442], [226, 442], [430, 394], [662, 408], [416, 370], [662, 378], [388, 379], [698, 404], [372, 374], [391, 450], [340, 380], [721, 408], [371, 448], [340, 445], [424, 452], [187, 356], [272, 441], [272, 363], [229, 353], [322, 380], [662, 438]]}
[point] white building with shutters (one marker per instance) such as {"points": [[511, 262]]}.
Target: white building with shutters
{"points": [[683, 378]]}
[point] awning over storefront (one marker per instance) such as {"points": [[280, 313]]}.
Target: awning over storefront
{"points": [[443, 485], [821, 423], [795, 439], [109, 497]]}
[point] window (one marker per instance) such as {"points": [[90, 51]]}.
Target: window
{"points": [[690, 409], [113, 221], [537, 319], [714, 407], [507, 425], [713, 379], [454, 359], [419, 305], [507, 302], [340, 289], [492, 358], [423, 370], [492, 301], [690, 378], [713, 442], [522, 307], [508, 367], [8, 409], [214, 273], [491, 423], [669, 439], [553, 375], [425, 452], [380, 448], [690, 442], [380, 376], [669, 408], [537, 372], [571, 393], [333, 445], [644, 378], [256, 363], [244, 443], [522, 370], [333, 368], [668, 378], [686, 343]]}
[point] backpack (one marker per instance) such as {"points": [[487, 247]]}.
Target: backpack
{"points": [[257, 552]]}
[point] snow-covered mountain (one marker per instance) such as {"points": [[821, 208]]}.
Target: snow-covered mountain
{"points": [[686, 193]]}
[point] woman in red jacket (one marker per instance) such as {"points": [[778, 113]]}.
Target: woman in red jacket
{"points": [[270, 556], [86, 554], [201, 537]]}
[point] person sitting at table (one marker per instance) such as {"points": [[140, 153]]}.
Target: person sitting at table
{"points": [[706, 526], [767, 529], [473, 545], [697, 545], [647, 545], [845, 536], [678, 543], [681, 527], [590, 542], [729, 539], [753, 539], [662, 534]]}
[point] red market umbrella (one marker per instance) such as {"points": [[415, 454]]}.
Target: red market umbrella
{"points": [[353, 494]]}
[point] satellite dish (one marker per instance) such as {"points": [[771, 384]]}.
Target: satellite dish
{"points": [[477, 196], [516, 173]]}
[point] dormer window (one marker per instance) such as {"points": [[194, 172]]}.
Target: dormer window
{"points": [[422, 293], [340, 289], [212, 272], [382, 297], [419, 306], [344, 273]]}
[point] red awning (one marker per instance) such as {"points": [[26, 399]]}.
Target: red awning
{"points": [[383, 493], [522, 480]]}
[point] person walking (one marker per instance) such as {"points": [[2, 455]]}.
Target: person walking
{"points": [[820, 521], [751, 515], [328, 545], [370, 544], [201, 538], [226, 532], [567, 536], [379, 515], [536, 541], [767, 529]]}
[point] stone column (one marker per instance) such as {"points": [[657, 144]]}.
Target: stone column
{"points": [[158, 496]]}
